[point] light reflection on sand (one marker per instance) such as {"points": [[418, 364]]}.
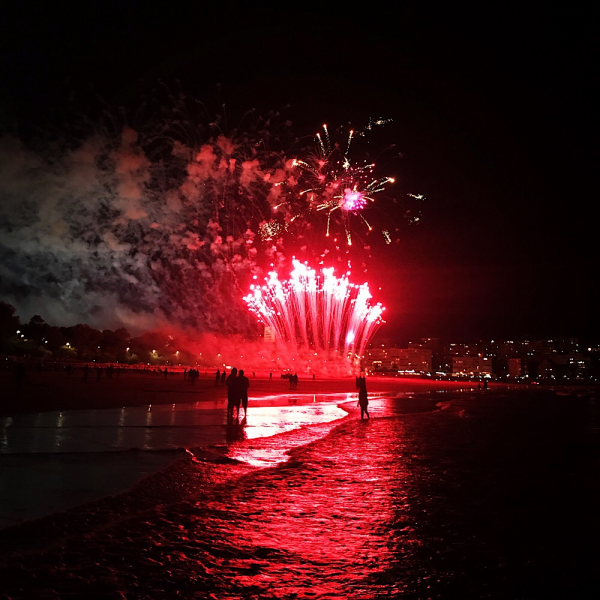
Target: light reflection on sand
{"points": [[160, 427], [265, 421], [263, 428]]}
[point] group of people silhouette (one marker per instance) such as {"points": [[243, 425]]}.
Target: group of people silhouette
{"points": [[293, 381], [237, 394], [192, 375]]}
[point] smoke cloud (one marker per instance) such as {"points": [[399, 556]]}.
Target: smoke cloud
{"points": [[136, 227]]}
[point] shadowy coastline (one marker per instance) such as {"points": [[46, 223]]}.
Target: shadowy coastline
{"points": [[48, 390]]}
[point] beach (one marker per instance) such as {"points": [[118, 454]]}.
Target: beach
{"points": [[446, 491], [55, 390], [61, 435]]}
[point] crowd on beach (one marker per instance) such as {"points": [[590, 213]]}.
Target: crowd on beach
{"points": [[236, 382]]}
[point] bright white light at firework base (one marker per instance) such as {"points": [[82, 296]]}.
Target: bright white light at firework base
{"points": [[321, 316]]}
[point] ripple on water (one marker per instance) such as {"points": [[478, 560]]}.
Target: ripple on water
{"points": [[420, 505]]}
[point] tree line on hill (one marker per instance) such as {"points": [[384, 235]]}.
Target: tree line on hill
{"points": [[39, 340]]}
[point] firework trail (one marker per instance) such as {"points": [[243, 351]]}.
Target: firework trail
{"points": [[333, 208], [321, 317], [337, 184]]}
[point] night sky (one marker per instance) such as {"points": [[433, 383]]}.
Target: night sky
{"points": [[493, 111]]}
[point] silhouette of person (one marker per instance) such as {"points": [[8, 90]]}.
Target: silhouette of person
{"points": [[223, 377], [217, 377], [243, 385], [233, 396], [363, 400], [271, 376]]}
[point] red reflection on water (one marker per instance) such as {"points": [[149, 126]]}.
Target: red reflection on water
{"points": [[319, 525], [266, 421]]}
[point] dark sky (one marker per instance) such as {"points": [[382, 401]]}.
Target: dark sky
{"points": [[494, 111]]}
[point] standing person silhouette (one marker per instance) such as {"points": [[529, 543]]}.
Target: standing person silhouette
{"points": [[363, 399], [243, 385], [233, 396]]}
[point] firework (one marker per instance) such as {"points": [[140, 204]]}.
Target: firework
{"points": [[316, 314], [164, 214], [271, 230], [336, 185]]}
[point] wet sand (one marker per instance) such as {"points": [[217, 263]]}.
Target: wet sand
{"points": [[44, 391]]}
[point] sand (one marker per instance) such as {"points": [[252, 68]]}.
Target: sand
{"points": [[48, 390]]}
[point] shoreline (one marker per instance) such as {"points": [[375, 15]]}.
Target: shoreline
{"points": [[68, 458], [206, 395], [55, 391], [232, 449], [193, 474]]}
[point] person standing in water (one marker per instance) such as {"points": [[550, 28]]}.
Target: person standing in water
{"points": [[363, 399], [243, 385]]}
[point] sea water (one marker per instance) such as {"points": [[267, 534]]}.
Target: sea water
{"points": [[50, 461], [455, 495]]}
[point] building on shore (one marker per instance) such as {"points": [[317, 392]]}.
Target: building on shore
{"points": [[471, 366], [410, 361]]}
